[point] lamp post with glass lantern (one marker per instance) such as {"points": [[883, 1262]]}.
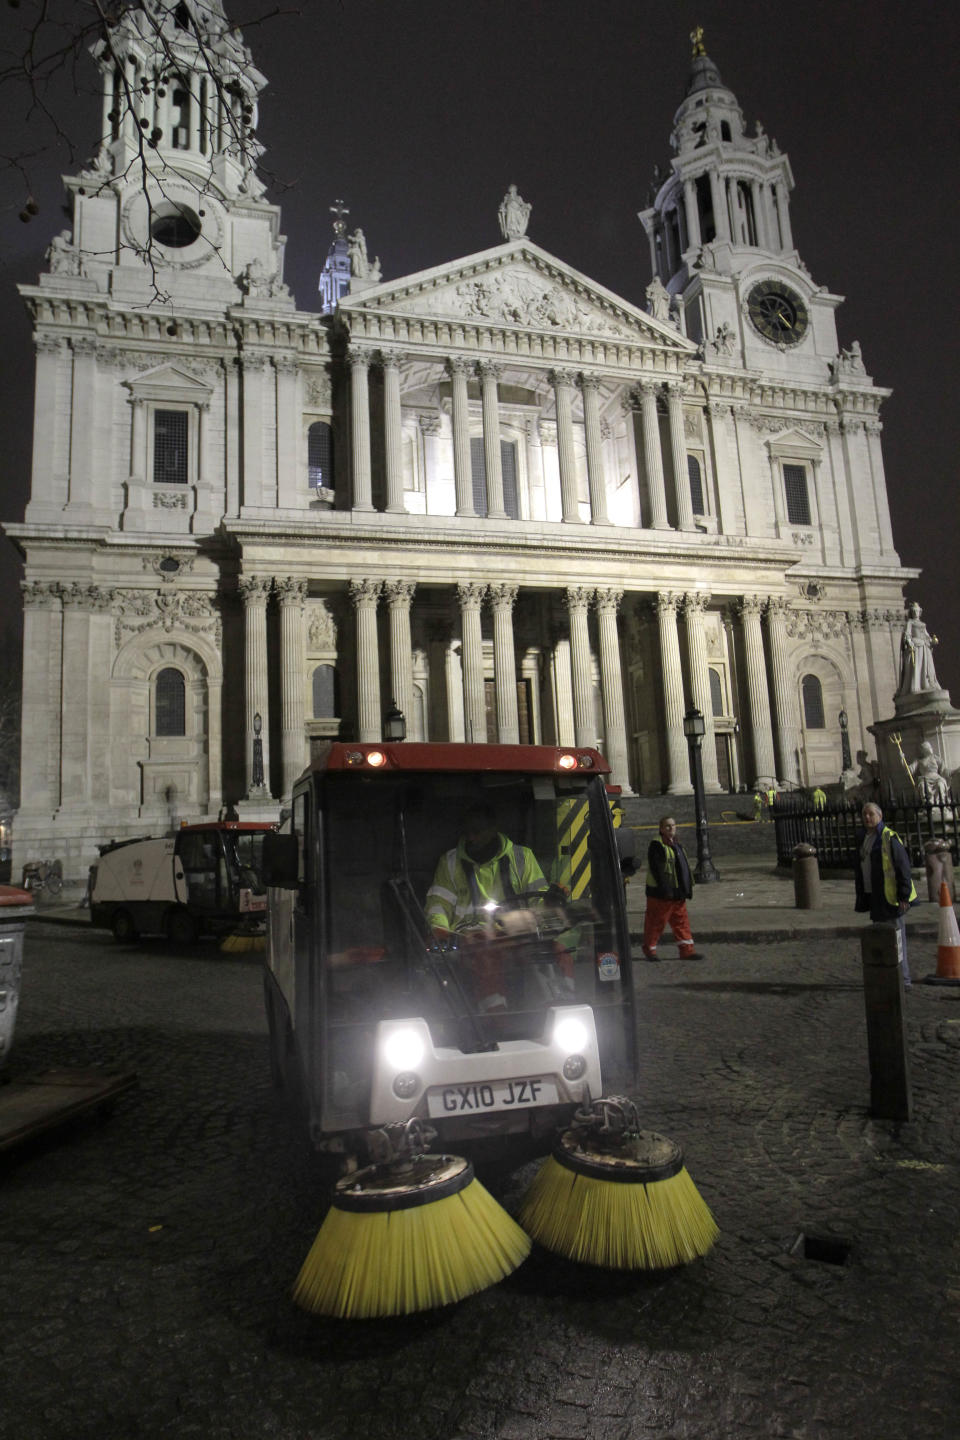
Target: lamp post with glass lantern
{"points": [[845, 741], [694, 727], [394, 724]]}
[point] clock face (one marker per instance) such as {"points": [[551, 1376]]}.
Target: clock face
{"points": [[777, 312]]}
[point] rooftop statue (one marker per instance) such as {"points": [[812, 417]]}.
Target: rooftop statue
{"points": [[514, 215], [361, 266], [917, 672]]}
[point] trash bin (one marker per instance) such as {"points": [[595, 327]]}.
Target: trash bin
{"points": [[15, 906]]}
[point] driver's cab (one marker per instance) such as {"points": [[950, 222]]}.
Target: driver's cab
{"points": [[372, 849]]}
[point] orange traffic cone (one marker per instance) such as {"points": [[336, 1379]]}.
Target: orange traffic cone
{"points": [[948, 943]]}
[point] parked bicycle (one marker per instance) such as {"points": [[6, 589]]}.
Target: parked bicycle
{"points": [[41, 875]]}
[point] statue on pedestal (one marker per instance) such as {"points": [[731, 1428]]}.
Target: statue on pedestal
{"points": [[917, 671], [514, 215]]}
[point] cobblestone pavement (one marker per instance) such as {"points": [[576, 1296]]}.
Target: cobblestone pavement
{"points": [[146, 1258]]}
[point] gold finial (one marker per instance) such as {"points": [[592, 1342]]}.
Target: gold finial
{"points": [[696, 37]]}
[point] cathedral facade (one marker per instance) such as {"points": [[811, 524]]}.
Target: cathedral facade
{"points": [[491, 494]]}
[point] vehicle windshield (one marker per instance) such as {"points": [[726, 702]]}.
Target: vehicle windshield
{"points": [[474, 902], [245, 855]]}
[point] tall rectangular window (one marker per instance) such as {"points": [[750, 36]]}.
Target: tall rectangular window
{"points": [[170, 440], [798, 497], [478, 472]]}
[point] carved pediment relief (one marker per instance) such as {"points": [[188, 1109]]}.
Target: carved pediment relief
{"points": [[518, 286]]}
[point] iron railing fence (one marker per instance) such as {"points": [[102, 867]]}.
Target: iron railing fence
{"points": [[834, 829]]}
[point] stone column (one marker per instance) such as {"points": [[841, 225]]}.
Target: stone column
{"points": [[41, 702], [362, 475], [254, 591], [291, 479], [590, 385], [757, 693], [83, 420], [399, 596], [253, 428], [502, 598], [678, 456], [364, 595], [784, 695], [693, 216], [584, 712], [471, 596], [694, 606], [292, 594], [652, 458], [611, 686], [460, 415], [721, 212], [393, 435], [563, 383], [493, 462], [783, 211], [138, 439], [678, 759]]}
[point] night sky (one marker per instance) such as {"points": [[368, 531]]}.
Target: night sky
{"points": [[419, 115]]}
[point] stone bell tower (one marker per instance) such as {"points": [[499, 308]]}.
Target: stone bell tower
{"points": [[721, 241], [172, 203]]}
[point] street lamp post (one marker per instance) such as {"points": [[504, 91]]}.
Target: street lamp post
{"points": [[845, 741], [694, 727], [394, 724], [257, 779]]}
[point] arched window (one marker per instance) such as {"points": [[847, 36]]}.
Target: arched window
{"points": [[812, 692], [320, 455], [325, 693], [696, 485], [716, 693], [170, 703]]}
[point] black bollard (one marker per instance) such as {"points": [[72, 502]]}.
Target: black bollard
{"points": [[890, 1095], [806, 877]]}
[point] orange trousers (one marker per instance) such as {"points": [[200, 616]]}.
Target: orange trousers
{"points": [[661, 913]]}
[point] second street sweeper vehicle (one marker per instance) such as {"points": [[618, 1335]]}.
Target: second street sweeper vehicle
{"points": [[485, 1030], [448, 960], [206, 879]]}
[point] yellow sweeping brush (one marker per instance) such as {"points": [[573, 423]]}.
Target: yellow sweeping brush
{"points": [[242, 942], [414, 1233], [616, 1196]]}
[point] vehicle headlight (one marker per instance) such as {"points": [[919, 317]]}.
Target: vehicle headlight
{"points": [[571, 1034], [403, 1049]]}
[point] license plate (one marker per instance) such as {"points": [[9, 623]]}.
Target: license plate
{"points": [[478, 1097]]}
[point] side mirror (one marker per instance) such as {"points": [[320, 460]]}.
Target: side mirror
{"points": [[280, 861], [626, 850]]}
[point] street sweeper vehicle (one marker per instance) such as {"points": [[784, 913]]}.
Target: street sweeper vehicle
{"points": [[485, 991], [448, 963], [206, 879]]}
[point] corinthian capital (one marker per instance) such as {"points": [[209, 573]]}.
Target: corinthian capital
{"points": [[254, 589], [364, 593], [291, 591], [399, 593], [471, 594], [608, 601], [695, 603], [579, 597], [502, 597]]}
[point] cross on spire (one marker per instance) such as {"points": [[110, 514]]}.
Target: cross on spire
{"points": [[339, 211]]}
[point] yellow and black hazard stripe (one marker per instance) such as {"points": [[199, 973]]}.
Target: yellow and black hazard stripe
{"points": [[573, 867]]}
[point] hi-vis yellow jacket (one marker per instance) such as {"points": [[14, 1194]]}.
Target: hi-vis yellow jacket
{"points": [[462, 887]]}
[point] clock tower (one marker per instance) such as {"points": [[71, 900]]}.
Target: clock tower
{"points": [[721, 242]]}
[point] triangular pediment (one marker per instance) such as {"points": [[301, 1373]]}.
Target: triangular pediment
{"points": [[169, 382], [517, 286]]}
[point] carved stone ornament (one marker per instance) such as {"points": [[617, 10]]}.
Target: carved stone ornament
{"points": [[816, 624], [291, 591], [365, 592], [522, 297], [607, 601], [321, 628], [471, 594], [139, 610], [317, 389], [87, 597], [169, 567], [502, 597]]}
